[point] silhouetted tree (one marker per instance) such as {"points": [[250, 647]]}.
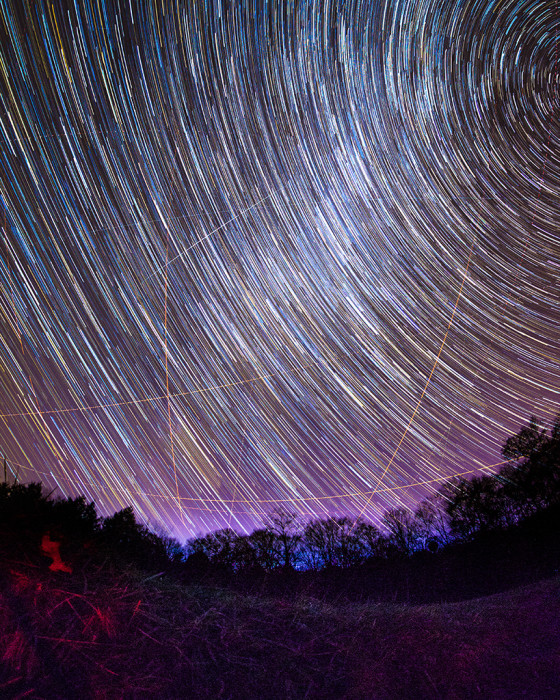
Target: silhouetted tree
{"points": [[432, 521], [23, 502], [527, 441], [532, 478], [266, 548], [76, 518], [374, 544], [24, 517], [478, 505], [555, 429], [123, 537], [225, 549], [337, 541], [321, 543], [404, 529], [243, 556], [121, 528], [285, 528]]}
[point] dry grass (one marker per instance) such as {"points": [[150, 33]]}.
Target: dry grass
{"points": [[107, 634]]}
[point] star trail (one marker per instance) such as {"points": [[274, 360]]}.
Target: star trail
{"points": [[274, 253]]}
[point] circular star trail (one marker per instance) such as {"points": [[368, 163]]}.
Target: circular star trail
{"points": [[270, 253]]}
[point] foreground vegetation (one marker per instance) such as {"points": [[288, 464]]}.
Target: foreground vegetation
{"points": [[460, 598], [113, 634]]}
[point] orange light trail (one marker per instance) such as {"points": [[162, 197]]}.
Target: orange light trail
{"points": [[390, 462], [268, 501]]}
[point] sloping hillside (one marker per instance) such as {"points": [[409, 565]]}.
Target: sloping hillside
{"points": [[111, 634]]}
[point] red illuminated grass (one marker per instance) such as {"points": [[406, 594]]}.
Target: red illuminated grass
{"points": [[110, 635]]}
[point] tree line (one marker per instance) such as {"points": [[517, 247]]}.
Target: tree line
{"points": [[461, 510]]}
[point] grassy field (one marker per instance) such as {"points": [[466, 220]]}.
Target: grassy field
{"points": [[105, 634]]}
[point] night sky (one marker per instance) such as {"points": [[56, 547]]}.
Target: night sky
{"points": [[274, 253]]}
